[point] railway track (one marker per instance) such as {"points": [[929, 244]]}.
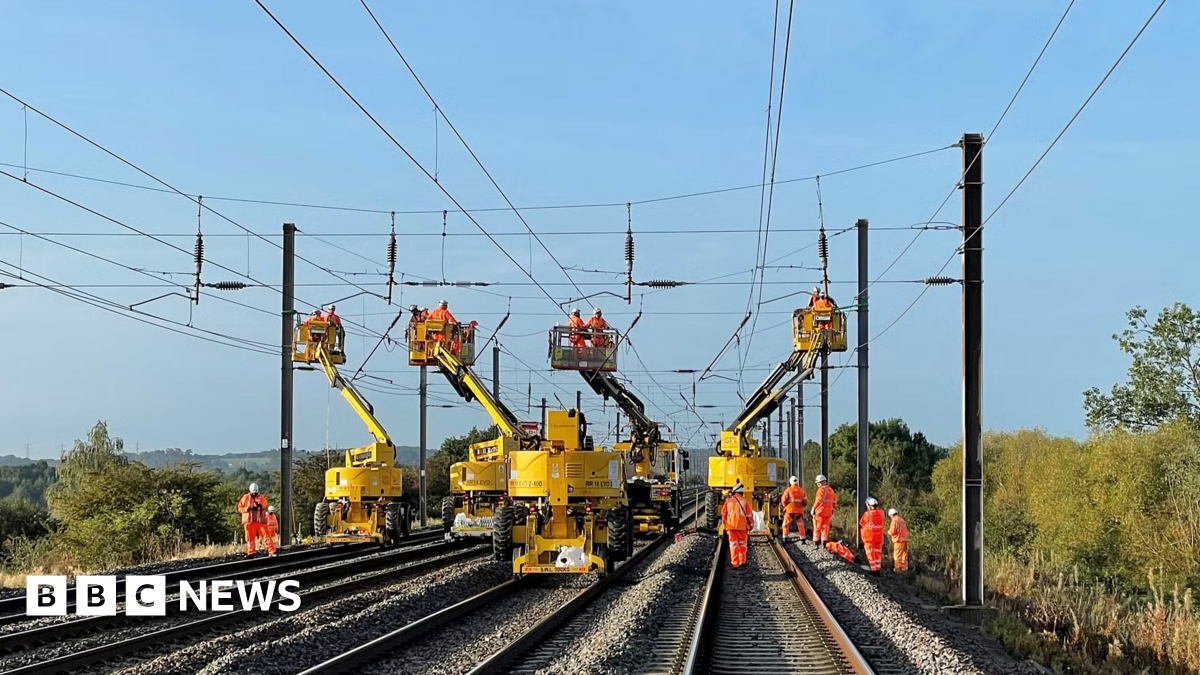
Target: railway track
{"points": [[363, 574], [12, 610], [370, 654], [765, 618]]}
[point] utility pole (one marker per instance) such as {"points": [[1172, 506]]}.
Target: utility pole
{"points": [[825, 414], [972, 303], [423, 390], [287, 324], [791, 437], [579, 400], [496, 371], [779, 436], [864, 420], [543, 417], [799, 405]]}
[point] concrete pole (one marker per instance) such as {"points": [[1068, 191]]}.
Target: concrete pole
{"points": [[424, 396], [864, 420], [800, 429], [287, 323], [496, 371], [972, 303], [825, 414]]}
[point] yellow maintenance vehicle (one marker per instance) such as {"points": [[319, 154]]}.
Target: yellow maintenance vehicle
{"points": [[550, 501], [362, 498], [817, 329], [652, 465]]}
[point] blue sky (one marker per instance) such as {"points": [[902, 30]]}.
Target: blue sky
{"points": [[572, 102]]}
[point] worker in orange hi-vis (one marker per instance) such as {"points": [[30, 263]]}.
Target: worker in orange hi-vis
{"points": [[870, 531], [898, 533], [253, 507], [598, 326], [838, 548], [794, 500], [737, 517], [577, 326], [824, 502], [272, 524], [339, 333], [442, 313]]}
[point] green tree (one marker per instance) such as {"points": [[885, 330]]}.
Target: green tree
{"points": [[1164, 378], [900, 462], [455, 448]]}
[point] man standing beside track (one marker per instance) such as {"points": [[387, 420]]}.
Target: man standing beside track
{"points": [[824, 502], [737, 516], [898, 532], [871, 534], [793, 501], [253, 507]]}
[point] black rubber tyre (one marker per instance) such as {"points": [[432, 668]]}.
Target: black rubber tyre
{"points": [[320, 520], [502, 533], [447, 514], [712, 510], [619, 540], [393, 514]]}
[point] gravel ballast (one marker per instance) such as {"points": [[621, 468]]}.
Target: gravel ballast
{"points": [[894, 629], [281, 645]]}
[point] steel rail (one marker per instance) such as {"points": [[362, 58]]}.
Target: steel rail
{"points": [[12, 609], [102, 653]]}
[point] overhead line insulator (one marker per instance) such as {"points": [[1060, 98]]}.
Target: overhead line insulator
{"points": [[940, 281], [227, 285], [663, 283]]}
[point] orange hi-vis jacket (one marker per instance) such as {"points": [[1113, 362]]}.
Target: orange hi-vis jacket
{"points": [[794, 499], [736, 514], [871, 525], [272, 523], [898, 530], [333, 319], [442, 314], [575, 322], [249, 515], [838, 548], [825, 501]]}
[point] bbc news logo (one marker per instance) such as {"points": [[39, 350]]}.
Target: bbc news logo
{"points": [[147, 595]]}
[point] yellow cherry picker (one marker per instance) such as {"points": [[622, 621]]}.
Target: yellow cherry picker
{"points": [[550, 501], [362, 498], [652, 464]]}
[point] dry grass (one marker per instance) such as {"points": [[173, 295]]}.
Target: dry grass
{"points": [[51, 562]]}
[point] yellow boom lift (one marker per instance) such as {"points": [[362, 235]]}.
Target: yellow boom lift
{"points": [[739, 457], [362, 498], [652, 465], [551, 504]]}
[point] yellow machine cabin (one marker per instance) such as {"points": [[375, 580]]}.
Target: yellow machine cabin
{"points": [[550, 504], [815, 330], [652, 465], [362, 497]]}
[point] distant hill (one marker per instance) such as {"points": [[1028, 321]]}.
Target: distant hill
{"points": [[13, 460], [264, 460]]}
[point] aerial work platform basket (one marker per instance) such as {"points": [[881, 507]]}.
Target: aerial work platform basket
{"points": [[809, 322], [459, 337], [309, 335], [583, 348]]}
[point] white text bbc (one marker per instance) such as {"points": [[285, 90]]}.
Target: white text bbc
{"points": [[147, 595]]}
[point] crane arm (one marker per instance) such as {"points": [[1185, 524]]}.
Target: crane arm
{"points": [[468, 385], [765, 400], [609, 387], [357, 401]]}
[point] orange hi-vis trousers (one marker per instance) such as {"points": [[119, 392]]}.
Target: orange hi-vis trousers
{"points": [[254, 531], [796, 517], [821, 528], [874, 551], [737, 547], [900, 556]]}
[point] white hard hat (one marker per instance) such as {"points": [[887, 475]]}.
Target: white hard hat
{"points": [[332, 307], [254, 488], [424, 309], [794, 480], [442, 303], [892, 512], [596, 311], [738, 488], [821, 478], [270, 509], [871, 501], [575, 311]]}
